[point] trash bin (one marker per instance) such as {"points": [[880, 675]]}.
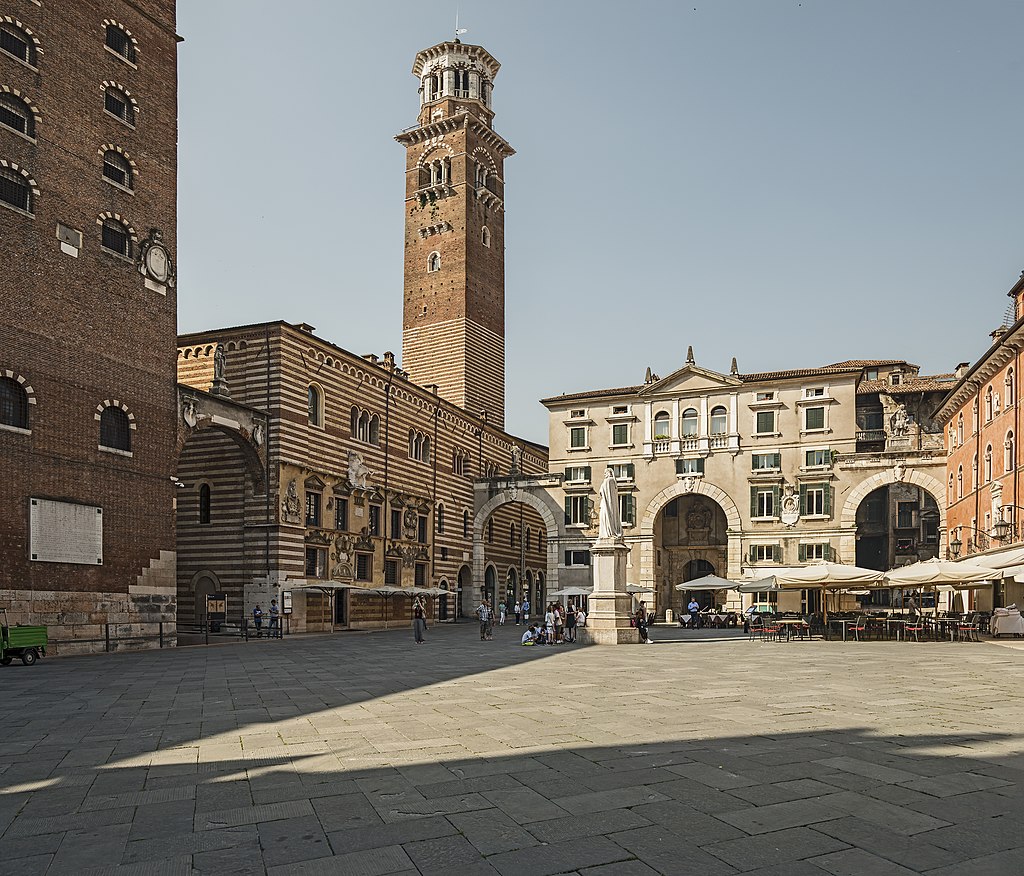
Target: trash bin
{"points": [[669, 616]]}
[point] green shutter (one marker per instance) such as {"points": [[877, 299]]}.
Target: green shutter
{"points": [[567, 559], [753, 502], [828, 553], [803, 499], [776, 500], [700, 465], [568, 510], [753, 554], [828, 499], [631, 471], [630, 509], [777, 553], [588, 510], [802, 554], [586, 472], [567, 474], [777, 459]]}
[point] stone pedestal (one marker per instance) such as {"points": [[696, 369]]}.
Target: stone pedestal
{"points": [[610, 604]]}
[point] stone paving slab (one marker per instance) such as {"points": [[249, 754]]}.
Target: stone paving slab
{"points": [[809, 760]]}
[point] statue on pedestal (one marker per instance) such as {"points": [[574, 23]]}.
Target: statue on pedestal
{"points": [[609, 520]]}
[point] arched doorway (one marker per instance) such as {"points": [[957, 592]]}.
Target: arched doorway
{"points": [[490, 584], [465, 583], [204, 584], [897, 524], [442, 603], [691, 540], [511, 586]]}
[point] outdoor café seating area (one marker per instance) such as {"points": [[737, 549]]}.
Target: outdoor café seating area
{"points": [[870, 626]]}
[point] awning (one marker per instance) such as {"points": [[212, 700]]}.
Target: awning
{"points": [[762, 585], [572, 591], [938, 571], [1001, 559], [831, 576], [709, 582]]}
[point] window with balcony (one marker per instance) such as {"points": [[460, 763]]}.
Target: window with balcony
{"points": [[719, 421], [690, 423], [662, 426]]}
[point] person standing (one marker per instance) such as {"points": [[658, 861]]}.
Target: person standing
{"points": [[483, 612], [519, 612], [257, 620], [490, 620], [275, 620], [419, 620], [549, 623], [570, 623], [501, 613], [640, 620], [526, 610], [693, 609]]}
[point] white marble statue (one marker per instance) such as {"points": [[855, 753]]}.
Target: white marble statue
{"points": [[609, 522]]}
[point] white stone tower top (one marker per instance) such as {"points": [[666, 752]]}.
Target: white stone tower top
{"points": [[455, 71]]}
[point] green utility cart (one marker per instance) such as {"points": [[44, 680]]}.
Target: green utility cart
{"points": [[28, 643]]}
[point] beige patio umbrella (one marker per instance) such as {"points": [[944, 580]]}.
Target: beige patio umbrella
{"points": [[934, 572], [827, 576]]}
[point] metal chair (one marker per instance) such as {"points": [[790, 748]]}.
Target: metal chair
{"points": [[859, 625], [967, 629]]}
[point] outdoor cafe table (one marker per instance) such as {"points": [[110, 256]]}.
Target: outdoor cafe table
{"points": [[841, 622], [788, 623]]}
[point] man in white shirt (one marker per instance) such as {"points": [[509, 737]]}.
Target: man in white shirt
{"points": [[484, 613], [527, 637]]}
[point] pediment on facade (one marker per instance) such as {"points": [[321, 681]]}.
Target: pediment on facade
{"points": [[690, 379]]}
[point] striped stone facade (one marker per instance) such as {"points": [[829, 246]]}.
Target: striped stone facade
{"points": [[348, 501]]}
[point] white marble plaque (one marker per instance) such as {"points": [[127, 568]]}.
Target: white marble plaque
{"points": [[64, 532]]}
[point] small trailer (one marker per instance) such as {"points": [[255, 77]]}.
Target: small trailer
{"points": [[28, 643]]}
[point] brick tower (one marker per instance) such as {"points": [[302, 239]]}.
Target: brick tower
{"points": [[454, 316]]}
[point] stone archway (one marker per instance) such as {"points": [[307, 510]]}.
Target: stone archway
{"points": [[685, 487], [532, 493]]}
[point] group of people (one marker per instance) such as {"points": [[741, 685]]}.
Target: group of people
{"points": [[558, 627], [274, 630]]}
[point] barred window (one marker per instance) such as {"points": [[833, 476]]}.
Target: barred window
{"points": [[118, 104], [119, 41], [117, 169], [116, 238], [13, 403], [204, 503], [17, 115], [15, 41], [15, 189], [115, 432]]}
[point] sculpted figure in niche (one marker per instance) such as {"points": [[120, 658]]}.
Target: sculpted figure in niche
{"points": [[609, 521], [900, 421], [218, 362], [357, 470], [291, 507]]}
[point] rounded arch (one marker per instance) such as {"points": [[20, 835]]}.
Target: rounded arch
{"points": [[848, 518], [682, 488], [250, 456]]}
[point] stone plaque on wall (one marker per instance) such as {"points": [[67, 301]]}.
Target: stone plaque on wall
{"points": [[63, 532]]}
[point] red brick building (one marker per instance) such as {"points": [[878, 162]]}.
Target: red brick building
{"points": [[982, 421], [88, 156]]}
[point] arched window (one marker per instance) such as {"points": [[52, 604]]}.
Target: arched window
{"points": [[960, 430], [115, 429], [485, 236], [988, 463], [119, 104], [16, 114], [116, 238], [426, 449], [204, 503], [375, 429], [119, 41], [690, 422], [440, 519], [960, 482], [364, 426], [974, 472], [1009, 453], [17, 42], [465, 524], [951, 493], [719, 421], [433, 262], [661, 426], [1009, 388], [315, 405], [15, 189], [117, 169], [13, 403], [988, 403]]}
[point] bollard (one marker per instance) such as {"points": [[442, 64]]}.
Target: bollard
{"points": [[161, 634], [106, 638]]}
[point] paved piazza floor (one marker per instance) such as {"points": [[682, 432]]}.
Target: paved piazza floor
{"points": [[364, 754]]}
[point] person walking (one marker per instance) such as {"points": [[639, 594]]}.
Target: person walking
{"points": [[501, 614], [274, 630], [419, 620], [483, 612], [518, 611], [570, 623], [490, 620], [549, 623], [257, 620]]}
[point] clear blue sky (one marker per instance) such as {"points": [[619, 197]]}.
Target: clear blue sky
{"points": [[791, 183]]}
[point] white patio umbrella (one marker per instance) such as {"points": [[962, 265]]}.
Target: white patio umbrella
{"points": [[761, 585], [709, 582], [638, 588], [572, 591], [938, 571], [827, 576]]}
